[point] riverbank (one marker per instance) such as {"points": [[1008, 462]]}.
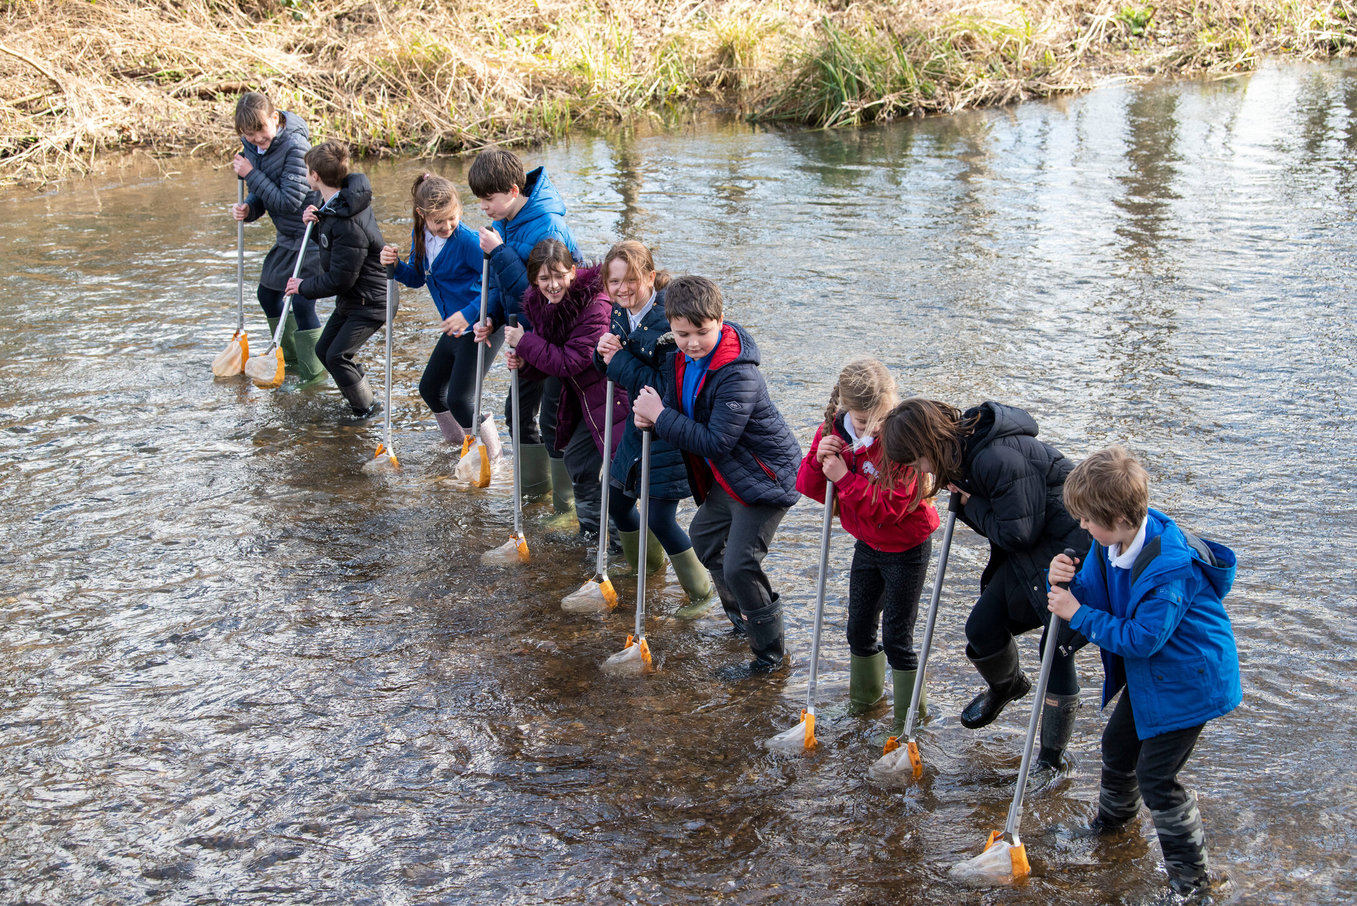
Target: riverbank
{"points": [[419, 77]]}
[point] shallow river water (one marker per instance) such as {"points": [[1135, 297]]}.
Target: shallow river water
{"points": [[240, 669]]}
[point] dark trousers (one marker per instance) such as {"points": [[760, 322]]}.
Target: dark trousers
{"points": [[884, 587], [303, 309], [731, 540], [663, 518], [449, 380], [543, 395], [1155, 761], [344, 334], [584, 463], [1003, 611]]}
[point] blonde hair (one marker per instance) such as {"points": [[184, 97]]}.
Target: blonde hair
{"points": [[638, 259], [1109, 485], [432, 195], [864, 385]]}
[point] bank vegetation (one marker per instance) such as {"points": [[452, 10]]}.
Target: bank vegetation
{"points": [[82, 77]]}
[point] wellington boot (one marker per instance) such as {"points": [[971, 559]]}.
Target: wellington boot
{"points": [[1006, 683], [631, 548], [1057, 726], [1119, 801], [361, 400], [562, 488], [766, 639], [866, 681], [536, 474], [453, 433], [903, 683], [309, 367], [289, 345], [696, 582], [1183, 843]]}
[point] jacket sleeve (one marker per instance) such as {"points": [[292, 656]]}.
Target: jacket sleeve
{"points": [[734, 395], [1008, 500], [887, 505], [348, 251], [288, 194], [409, 274], [573, 356], [810, 478], [1142, 633], [511, 273], [631, 372]]}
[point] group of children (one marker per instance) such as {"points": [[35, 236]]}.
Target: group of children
{"points": [[660, 352]]}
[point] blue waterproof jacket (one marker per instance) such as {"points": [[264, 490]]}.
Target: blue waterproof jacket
{"points": [[541, 217], [277, 186], [1016, 484], [1170, 644], [636, 365], [454, 278], [736, 437]]}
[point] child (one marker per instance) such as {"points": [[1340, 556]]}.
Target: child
{"points": [[568, 315], [893, 529], [524, 209], [350, 260], [446, 255], [740, 455], [271, 163], [1150, 596], [1010, 485], [631, 354]]}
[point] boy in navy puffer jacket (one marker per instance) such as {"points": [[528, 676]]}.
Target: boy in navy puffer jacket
{"points": [[1149, 595], [351, 265], [273, 145], [741, 457]]}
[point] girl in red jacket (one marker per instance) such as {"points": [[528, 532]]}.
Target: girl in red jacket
{"points": [[894, 534]]}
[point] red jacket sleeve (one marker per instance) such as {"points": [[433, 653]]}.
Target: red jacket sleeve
{"points": [[810, 478]]}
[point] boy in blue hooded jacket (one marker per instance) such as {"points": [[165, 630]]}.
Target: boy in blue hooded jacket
{"points": [[1150, 596], [741, 457], [524, 208]]}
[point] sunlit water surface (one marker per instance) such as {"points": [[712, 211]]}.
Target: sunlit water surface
{"points": [[239, 669]]}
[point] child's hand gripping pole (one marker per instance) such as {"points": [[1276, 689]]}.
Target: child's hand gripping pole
{"points": [[894, 760], [265, 372], [1004, 857]]}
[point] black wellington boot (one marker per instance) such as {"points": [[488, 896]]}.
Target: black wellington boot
{"points": [[1006, 683]]}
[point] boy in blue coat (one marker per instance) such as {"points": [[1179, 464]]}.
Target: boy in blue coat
{"points": [[741, 457], [1150, 596], [524, 208]]}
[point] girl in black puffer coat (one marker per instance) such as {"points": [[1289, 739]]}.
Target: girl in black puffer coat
{"points": [[352, 271], [1010, 485]]}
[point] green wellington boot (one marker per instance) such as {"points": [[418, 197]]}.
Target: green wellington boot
{"points": [[536, 473], [866, 681], [903, 681], [562, 488], [631, 549], [696, 582], [309, 367], [289, 344]]}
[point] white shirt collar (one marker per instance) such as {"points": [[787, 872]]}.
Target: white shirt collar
{"points": [[859, 443], [1126, 560], [432, 246], [635, 319]]}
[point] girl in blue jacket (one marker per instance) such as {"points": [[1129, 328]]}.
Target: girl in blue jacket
{"points": [[1150, 596], [631, 354], [445, 256]]}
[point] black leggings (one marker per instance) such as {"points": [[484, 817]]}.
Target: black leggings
{"points": [[663, 518], [1003, 611], [449, 380], [303, 309], [884, 588]]}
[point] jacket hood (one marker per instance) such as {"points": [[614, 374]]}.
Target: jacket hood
{"points": [[997, 420], [542, 201], [354, 196], [736, 347], [552, 322], [1171, 550]]}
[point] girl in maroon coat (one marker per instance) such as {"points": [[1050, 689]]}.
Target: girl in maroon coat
{"points": [[568, 312], [893, 534]]}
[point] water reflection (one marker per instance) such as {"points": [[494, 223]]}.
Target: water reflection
{"points": [[239, 669]]}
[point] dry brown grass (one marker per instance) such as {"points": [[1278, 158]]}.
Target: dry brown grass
{"points": [[422, 76]]}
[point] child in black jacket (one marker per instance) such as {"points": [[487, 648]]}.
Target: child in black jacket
{"points": [[352, 272]]}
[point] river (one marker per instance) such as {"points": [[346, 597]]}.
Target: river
{"points": [[240, 669]]}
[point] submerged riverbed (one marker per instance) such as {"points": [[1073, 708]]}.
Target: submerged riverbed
{"points": [[240, 669]]}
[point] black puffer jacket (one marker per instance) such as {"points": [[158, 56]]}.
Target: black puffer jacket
{"points": [[277, 186], [350, 247], [1015, 482]]}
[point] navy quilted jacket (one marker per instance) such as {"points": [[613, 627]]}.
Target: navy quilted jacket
{"points": [[1016, 482], [636, 365], [736, 436], [277, 186]]}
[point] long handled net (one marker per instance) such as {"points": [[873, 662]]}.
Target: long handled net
{"points": [[474, 466], [267, 370], [385, 457], [634, 658], [598, 595], [231, 360], [515, 550]]}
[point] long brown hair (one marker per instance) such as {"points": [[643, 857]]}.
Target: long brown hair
{"points": [[431, 195], [639, 261], [925, 429]]}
